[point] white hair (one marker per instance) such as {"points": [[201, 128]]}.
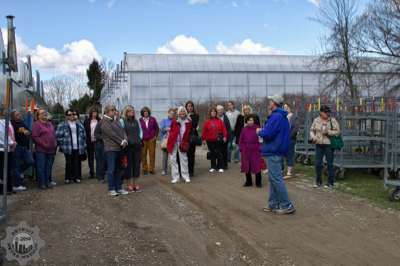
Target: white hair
{"points": [[220, 107], [182, 109]]}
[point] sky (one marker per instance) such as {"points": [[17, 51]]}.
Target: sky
{"points": [[63, 36]]}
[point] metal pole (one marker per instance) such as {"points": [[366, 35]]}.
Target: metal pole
{"points": [[5, 161]]}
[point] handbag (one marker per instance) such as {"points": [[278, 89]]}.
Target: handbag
{"points": [[83, 157], [336, 141]]}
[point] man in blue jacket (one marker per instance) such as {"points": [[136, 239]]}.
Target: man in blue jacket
{"points": [[276, 138]]}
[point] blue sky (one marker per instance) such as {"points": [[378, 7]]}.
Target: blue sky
{"points": [[71, 32]]}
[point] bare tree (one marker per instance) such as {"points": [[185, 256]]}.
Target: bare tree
{"points": [[340, 58], [380, 29], [380, 39], [65, 88]]}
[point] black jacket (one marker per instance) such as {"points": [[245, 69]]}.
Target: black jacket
{"points": [[195, 123], [86, 125], [228, 128], [20, 138]]}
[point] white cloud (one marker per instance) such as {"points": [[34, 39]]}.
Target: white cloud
{"points": [[315, 2], [198, 2], [73, 57], [246, 47], [182, 44]]}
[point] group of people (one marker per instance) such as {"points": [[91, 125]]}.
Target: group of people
{"points": [[122, 147]]}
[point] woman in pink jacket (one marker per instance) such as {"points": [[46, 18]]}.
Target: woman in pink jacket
{"points": [[250, 152], [45, 147]]}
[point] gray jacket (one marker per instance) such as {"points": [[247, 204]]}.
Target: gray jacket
{"points": [[112, 133]]}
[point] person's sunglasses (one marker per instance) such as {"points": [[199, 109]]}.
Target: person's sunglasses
{"points": [[69, 114]]}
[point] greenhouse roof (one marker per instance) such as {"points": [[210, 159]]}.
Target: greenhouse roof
{"points": [[216, 63], [232, 63]]}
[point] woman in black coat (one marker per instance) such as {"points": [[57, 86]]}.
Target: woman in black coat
{"points": [[240, 122], [193, 134], [90, 125]]}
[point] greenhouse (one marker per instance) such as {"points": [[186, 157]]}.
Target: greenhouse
{"points": [[161, 81]]}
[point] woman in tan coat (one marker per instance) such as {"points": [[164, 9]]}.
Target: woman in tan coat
{"points": [[322, 129]]}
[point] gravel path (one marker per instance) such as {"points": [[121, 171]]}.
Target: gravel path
{"points": [[212, 221]]}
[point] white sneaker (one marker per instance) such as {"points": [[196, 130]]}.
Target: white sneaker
{"points": [[175, 181], [53, 183], [212, 170], [113, 193], [123, 192], [187, 181], [220, 170], [19, 188]]}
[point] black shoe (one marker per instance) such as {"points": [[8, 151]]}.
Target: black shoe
{"points": [[92, 177], [248, 184], [42, 187], [258, 180], [152, 173], [289, 210]]}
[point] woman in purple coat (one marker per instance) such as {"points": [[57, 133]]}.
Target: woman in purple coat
{"points": [[250, 152]]}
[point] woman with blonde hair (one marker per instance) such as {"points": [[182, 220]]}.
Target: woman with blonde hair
{"points": [[178, 144], [165, 127], [241, 121], [133, 150]]}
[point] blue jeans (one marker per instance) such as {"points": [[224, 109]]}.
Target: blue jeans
{"points": [[113, 170], [23, 160], [320, 152], [100, 159], [44, 166], [291, 153], [278, 196]]}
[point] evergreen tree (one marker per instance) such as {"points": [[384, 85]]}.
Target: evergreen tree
{"points": [[96, 77]]}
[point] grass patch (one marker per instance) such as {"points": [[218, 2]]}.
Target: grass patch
{"points": [[360, 184]]}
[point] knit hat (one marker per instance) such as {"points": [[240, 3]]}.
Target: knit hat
{"points": [[278, 99]]}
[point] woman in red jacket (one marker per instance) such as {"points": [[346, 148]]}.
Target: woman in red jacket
{"points": [[178, 143], [215, 134]]}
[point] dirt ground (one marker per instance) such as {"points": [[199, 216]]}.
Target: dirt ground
{"points": [[211, 221]]}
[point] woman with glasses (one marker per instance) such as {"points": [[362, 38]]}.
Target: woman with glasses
{"points": [[45, 147], [71, 139]]}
